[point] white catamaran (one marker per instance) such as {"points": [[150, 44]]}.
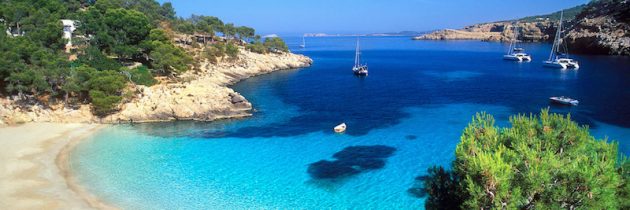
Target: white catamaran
{"points": [[359, 69], [516, 53], [556, 58]]}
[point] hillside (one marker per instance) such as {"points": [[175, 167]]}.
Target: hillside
{"points": [[600, 27], [569, 14], [87, 61]]}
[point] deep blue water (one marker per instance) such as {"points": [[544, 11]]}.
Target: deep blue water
{"points": [[404, 117]]}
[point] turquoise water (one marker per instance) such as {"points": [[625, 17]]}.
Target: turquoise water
{"points": [[417, 99]]}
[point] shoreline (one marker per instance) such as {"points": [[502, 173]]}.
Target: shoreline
{"points": [[37, 173], [30, 172], [201, 95], [62, 162]]}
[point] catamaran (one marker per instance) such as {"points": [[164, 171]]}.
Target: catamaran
{"points": [[303, 45], [516, 53], [556, 58], [359, 69]]}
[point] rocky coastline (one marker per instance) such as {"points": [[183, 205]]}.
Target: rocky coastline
{"points": [[202, 94], [602, 27]]}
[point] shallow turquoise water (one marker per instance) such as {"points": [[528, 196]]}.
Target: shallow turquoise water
{"points": [[415, 100]]}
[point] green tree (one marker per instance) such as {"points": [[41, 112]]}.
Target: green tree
{"points": [[229, 30], [231, 50], [541, 162], [276, 43], [245, 32], [105, 90], [169, 59]]}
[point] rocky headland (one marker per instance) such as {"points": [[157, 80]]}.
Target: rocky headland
{"points": [[600, 27], [202, 94]]}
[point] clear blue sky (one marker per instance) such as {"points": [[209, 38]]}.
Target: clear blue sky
{"points": [[292, 17]]}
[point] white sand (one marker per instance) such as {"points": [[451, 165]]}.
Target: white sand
{"points": [[29, 158]]}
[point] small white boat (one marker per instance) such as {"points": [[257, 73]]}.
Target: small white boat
{"points": [[558, 59], [340, 128], [564, 100], [516, 53], [358, 68]]}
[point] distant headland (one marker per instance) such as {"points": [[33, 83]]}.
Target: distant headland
{"points": [[599, 27]]}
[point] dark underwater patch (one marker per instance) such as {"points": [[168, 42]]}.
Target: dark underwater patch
{"points": [[350, 161], [411, 137]]}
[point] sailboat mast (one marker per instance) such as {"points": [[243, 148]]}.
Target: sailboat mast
{"points": [[512, 42], [556, 40], [356, 56]]}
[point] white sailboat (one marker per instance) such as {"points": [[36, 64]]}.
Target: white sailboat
{"points": [[358, 68], [516, 53], [303, 45], [556, 58]]}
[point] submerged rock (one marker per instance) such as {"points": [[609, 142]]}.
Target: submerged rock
{"points": [[351, 160]]}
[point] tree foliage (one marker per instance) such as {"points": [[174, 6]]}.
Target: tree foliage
{"points": [[541, 162], [117, 33], [276, 43]]}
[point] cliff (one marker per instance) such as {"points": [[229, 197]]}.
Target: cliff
{"points": [[196, 95], [532, 28], [497, 31], [602, 28]]}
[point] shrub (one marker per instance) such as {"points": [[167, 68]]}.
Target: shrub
{"points": [[169, 59], [105, 88], [214, 51], [231, 50], [103, 104], [541, 162], [276, 43], [141, 76], [257, 47]]}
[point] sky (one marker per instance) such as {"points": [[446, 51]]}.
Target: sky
{"points": [[293, 17]]}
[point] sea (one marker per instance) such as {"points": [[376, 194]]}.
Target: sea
{"points": [[403, 118]]}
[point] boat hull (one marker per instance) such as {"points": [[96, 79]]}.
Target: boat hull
{"points": [[559, 101], [549, 64], [517, 58]]}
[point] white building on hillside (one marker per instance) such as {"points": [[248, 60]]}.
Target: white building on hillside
{"points": [[68, 27]]}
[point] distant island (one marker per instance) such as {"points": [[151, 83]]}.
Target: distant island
{"points": [[599, 27], [401, 33]]}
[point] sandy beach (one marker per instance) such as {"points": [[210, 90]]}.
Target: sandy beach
{"points": [[30, 162]]}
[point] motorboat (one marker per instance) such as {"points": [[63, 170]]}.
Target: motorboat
{"points": [[340, 128], [564, 100]]}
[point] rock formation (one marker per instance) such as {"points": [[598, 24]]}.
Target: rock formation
{"points": [[498, 31], [194, 95], [602, 28]]}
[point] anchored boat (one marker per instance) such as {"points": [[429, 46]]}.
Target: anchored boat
{"points": [[564, 100], [340, 128], [558, 59], [359, 69], [516, 53]]}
